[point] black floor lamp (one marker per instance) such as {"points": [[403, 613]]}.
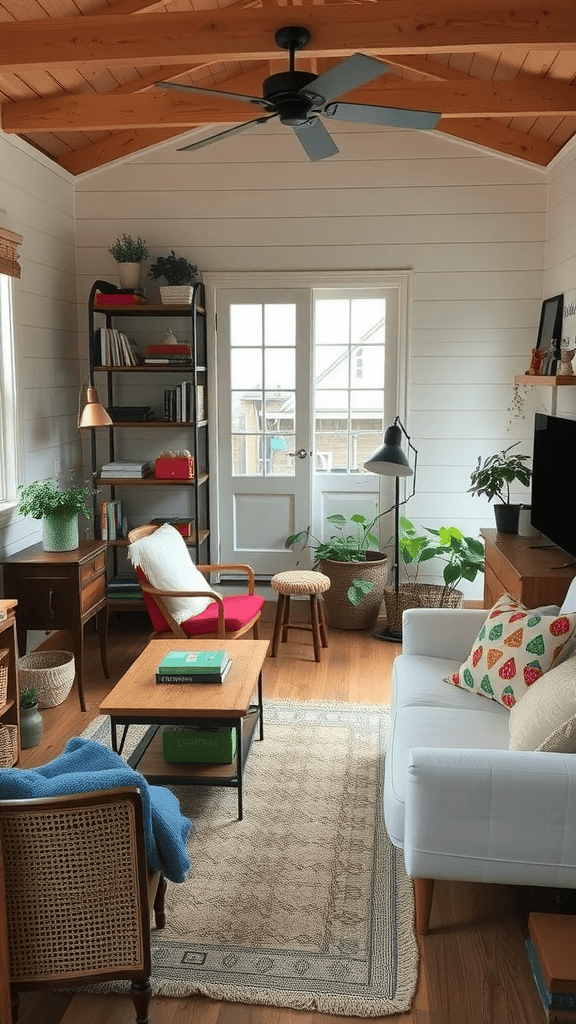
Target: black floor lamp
{"points": [[391, 460]]}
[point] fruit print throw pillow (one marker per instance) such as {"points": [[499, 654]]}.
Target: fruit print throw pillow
{"points": [[513, 649]]}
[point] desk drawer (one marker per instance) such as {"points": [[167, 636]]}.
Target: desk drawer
{"points": [[44, 602], [93, 593], [93, 568]]}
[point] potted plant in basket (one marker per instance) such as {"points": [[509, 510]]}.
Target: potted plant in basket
{"points": [[58, 510], [493, 478], [129, 254], [357, 572], [180, 275], [31, 724]]}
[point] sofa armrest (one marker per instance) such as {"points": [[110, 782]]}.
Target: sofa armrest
{"points": [[502, 816], [441, 632]]}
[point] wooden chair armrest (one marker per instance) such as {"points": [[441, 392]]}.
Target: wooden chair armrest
{"points": [[234, 567], [154, 592]]}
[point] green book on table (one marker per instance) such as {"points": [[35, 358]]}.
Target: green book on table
{"points": [[194, 677], [206, 663]]}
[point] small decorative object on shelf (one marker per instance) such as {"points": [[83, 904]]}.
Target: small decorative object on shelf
{"points": [[58, 510], [129, 254], [536, 362], [567, 353], [180, 275]]}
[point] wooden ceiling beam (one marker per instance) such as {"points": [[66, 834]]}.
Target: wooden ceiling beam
{"points": [[415, 26], [469, 98], [502, 139]]}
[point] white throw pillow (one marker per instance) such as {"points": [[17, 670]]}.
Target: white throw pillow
{"points": [[545, 718], [166, 563]]}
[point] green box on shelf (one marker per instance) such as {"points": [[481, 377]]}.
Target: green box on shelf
{"points": [[217, 746]]}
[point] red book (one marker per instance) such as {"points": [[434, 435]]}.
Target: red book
{"points": [[126, 299], [168, 350]]}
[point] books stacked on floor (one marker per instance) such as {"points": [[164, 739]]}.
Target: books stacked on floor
{"points": [[551, 948], [184, 526], [124, 469], [124, 588], [113, 522], [180, 353], [194, 667], [178, 403], [130, 413], [113, 348], [121, 297]]}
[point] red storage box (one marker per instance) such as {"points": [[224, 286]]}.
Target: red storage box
{"points": [[179, 468]]}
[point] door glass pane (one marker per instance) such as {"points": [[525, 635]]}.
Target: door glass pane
{"points": [[263, 375]]}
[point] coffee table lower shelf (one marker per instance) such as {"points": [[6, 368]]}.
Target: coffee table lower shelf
{"points": [[148, 757]]}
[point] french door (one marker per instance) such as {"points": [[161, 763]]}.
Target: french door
{"points": [[307, 381]]}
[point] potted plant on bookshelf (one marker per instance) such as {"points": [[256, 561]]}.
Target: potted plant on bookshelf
{"points": [[493, 478], [31, 724], [357, 573], [179, 274], [129, 254], [58, 510]]}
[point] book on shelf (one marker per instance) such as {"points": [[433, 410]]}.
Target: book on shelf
{"points": [[167, 360], [179, 402], [124, 588], [183, 525], [114, 349], [119, 298], [125, 469], [113, 522], [194, 677], [549, 999], [128, 413], [189, 662], [169, 350]]}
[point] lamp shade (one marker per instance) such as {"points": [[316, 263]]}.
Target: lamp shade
{"points": [[93, 414], [390, 459]]}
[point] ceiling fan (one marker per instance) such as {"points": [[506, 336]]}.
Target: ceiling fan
{"points": [[298, 97]]}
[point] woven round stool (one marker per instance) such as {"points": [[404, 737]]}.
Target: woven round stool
{"points": [[300, 584]]}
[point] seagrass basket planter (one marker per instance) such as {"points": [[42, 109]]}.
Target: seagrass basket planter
{"points": [[176, 294], [50, 673], [340, 613], [8, 745], [417, 595], [4, 654]]}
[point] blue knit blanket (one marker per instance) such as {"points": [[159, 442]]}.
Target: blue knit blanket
{"points": [[84, 767]]}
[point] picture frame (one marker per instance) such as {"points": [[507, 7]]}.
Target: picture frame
{"points": [[550, 327]]}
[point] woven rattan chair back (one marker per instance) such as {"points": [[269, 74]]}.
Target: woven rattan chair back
{"points": [[78, 892]]}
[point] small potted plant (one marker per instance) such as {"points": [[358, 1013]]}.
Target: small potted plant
{"points": [[357, 571], [58, 510], [129, 254], [493, 477], [31, 724], [179, 274]]}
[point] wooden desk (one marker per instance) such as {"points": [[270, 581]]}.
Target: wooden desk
{"points": [[61, 590], [529, 568], [138, 699]]}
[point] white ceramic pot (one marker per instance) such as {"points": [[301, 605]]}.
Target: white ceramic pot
{"points": [[130, 275]]}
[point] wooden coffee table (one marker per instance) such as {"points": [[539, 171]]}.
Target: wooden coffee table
{"points": [[137, 699]]}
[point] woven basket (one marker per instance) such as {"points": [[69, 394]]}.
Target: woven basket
{"points": [[339, 612], [417, 595], [176, 295], [50, 673], [8, 745], [3, 675]]}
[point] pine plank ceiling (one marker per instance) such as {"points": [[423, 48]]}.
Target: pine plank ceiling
{"points": [[77, 77]]}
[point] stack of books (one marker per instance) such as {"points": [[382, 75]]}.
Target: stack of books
{"points": [[130, 413], [120, 297], [124, 588], [178, 403], [194, 667], [168, 354], [124, 469], [551, 948], [113, 348], [113, 522]]}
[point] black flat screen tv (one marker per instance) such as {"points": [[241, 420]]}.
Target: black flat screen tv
{"points": [[552, 471]]}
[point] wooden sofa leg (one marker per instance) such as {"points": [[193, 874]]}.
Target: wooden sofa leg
{"points": [[423, 889]]}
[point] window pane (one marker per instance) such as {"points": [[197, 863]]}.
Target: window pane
{"points": [[367, 321], [332, 366], [278, 462], [280, 368], [246, 325], [280, 324], [279, 410], [246, 455], [331, 325], [246, 367], [246, 411]]}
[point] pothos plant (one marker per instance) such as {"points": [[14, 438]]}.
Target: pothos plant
{"points": [[463, 557], [352, 539]]}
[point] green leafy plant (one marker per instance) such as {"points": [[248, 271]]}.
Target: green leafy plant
{"points": [[176, 270], [28, 698], [494, 476], [342, 546], [42, 498], [129, 250], [463, 556]]}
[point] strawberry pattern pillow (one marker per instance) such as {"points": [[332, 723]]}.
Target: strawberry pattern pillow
{"points": [[513, 649]]}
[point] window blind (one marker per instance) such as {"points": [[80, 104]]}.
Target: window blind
{"points": [[9, 242]]}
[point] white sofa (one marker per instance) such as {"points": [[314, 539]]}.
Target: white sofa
{"points": [[457, 800]]}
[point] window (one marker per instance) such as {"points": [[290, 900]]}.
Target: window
{"points": [[9, 268]]}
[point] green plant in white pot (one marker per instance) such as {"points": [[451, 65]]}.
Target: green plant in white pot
{"points": [[58, 510], [129, 253], [492, 478], [356, 569]]}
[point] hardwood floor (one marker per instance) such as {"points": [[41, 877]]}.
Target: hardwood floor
{"points": [[473, 968]]}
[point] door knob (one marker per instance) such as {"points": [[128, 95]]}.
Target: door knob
{"points": [[300, 454]]}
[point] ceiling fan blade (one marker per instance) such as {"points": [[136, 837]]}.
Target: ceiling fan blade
{"points": [[396, 117], [213, 92], [222, 135], [349, 74], [315, 140]]}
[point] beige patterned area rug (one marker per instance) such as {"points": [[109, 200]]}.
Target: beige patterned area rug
{"points": [[304, 903]]}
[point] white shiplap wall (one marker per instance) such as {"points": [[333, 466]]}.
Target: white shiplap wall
{"points": [[471, 225], [37, 201], [560, 276]]}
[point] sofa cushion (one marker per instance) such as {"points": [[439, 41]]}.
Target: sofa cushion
{"points": [[546, 717], [514, 648], [419, 680]]}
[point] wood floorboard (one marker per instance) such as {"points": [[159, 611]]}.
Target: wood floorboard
{"points": [[473, 969]]}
